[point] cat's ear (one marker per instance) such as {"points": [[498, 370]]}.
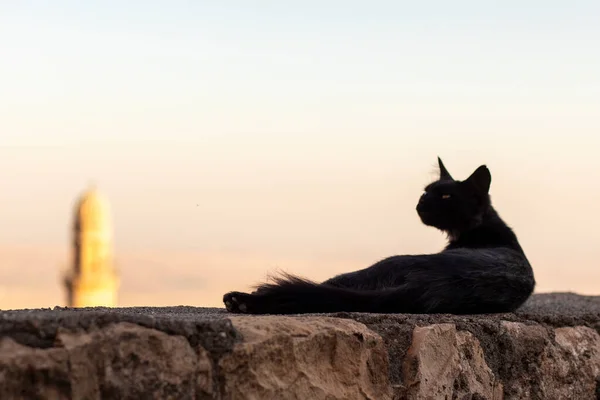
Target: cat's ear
{"points": [[444, 174], [480, 180]]}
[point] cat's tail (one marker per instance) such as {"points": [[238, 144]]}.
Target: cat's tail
{"points": [[289, 294]]}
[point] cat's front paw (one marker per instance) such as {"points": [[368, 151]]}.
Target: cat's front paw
{"points": [[235, 302]]}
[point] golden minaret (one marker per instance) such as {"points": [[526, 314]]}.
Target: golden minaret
{"points": [[92, 280]]}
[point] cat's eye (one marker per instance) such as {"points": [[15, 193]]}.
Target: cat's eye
{"points": [[445, 196]]}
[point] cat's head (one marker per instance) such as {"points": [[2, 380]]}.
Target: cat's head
{"points": [[455, 206]]}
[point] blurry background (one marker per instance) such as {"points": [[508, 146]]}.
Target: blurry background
{"points": [[239, 138]]}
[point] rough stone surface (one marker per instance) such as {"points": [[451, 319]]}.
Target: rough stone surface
{"points": [[443, 363], [305, 358], [121, 361], [511, 359], [549, 349]]}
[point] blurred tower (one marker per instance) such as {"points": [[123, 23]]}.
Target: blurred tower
{"points": [[92, 279]]}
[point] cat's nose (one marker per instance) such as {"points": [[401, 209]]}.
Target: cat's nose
{"points": [[422, 206]]}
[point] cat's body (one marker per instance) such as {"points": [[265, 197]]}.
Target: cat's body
{"points": [[483, 269]]}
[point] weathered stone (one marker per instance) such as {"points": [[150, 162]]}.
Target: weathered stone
{"points": [[570, 367], [204, 375], [547, 350], [445, 364], [130, 362], [122, 361], [567, 365], [524, 345], [305, 358], [36, 374]]}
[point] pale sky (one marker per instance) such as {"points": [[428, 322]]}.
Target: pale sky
{"points": [[265, 134]]}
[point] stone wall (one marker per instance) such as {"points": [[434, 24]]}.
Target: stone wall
{"points": [[550, 349]]}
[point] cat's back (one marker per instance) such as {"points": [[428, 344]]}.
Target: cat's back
{"points": [[469, 263], [502, 254]]}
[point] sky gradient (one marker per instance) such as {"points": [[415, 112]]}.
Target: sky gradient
{"points": [[237, 138]]}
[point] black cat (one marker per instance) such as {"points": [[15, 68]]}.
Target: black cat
{"points": [[483, 269]]}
